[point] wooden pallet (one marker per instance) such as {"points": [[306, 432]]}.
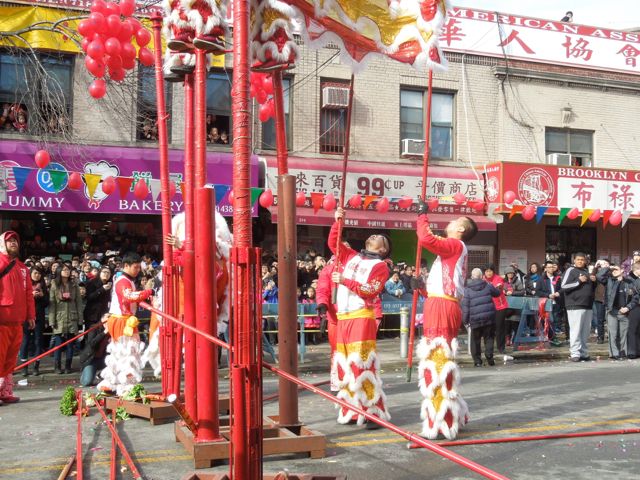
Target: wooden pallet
{"points": [[277, 440], [158, 413]]}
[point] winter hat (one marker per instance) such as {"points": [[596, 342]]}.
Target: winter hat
{"points": [[9, 234]]}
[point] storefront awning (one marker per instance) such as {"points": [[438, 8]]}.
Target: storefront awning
{"points": [[390, 180], [32, 189]]}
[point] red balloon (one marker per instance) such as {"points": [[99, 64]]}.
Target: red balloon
{"points": [[117, 74], [146, 57], [267, 84], [573, 214], [114, 25], [109, 185], [111, 9], [529, 212], [433, 203], [252, 90], [99, 22], [301, 199], [86, 27], [143, 37], [383, 205], [405, 202], [271, 107], [75, 181], [329, 202], [459, 198], [266, 198], [98, 88], [478, 206], [127, 7], [264, 115], [97, 6], [126, 31], [127, 51], [355, 201], [509, 196], [141, 190], [85, 44], [98, 36], [96, 50], [261, 95], [135, 23], [231, 197], [94, 67], [616, 218], [42, 158], [595, 216], [113, 46], [128, 63], [172, 189], [114, 62]]}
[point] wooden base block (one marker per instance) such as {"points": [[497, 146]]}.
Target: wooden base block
{"points": [[277, 440]]}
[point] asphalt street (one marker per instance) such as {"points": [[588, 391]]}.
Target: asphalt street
{"points": [[509, 400]]}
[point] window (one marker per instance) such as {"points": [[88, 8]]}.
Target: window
{"points": [[218, 108], [35, 93], [578, 144], [147, 124], [562, 242], [333, 116], [269, 127], [412, 115]]}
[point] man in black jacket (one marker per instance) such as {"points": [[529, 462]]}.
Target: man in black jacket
{"points": [[619, 299], [578, 296]]}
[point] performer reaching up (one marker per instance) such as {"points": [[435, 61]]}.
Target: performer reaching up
{"points": [[360, 278], [443, 409], [124, 366]]}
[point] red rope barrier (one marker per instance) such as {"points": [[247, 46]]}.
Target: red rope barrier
{"points": [[49, 352], [123, 449], [531, 438]]}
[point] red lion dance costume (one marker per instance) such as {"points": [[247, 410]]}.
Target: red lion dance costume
{"points": [[443, 409], [272, 42], [188, 24], [355, 359], [123, 363]]}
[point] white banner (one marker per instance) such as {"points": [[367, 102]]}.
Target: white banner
{"points": [[535, 40]]}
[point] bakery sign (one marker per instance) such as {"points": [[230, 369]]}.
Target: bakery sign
{"points": [[558, 187]]}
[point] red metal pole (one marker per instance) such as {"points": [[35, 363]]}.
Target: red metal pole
{"points": [[429, 445], [79, 474], [207, 353], [49, 352], [343, 184], [532, 438], [211, 338], [425, 169], [121, 446], [188, 255], [282, 152], [168, 381]]}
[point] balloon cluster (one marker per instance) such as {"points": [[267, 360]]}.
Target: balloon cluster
{"points": [[261, 88], [107, 40]]}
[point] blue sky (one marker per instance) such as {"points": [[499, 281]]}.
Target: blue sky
{"points": [[617, 14]]}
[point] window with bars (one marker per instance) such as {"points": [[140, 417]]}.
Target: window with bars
{"points": [[269, 127], [412, 117], [35, 92], [333, 116], [576, 143], [147, 123]]}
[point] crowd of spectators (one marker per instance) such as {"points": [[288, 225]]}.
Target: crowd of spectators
{"points": [[14, 118]]}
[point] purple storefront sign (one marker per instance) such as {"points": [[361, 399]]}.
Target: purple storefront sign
{"points": [[39, 194]]}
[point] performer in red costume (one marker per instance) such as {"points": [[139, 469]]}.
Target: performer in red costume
{"points": [[360, 280], [123, 364], [327, 311], [443, 408], [16, 307]]}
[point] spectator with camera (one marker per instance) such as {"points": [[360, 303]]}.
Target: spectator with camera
{"points": [[620, 298]]}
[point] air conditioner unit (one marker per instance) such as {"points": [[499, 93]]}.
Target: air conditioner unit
{"points": [[335, 97], [559, 159], [412, 147]]}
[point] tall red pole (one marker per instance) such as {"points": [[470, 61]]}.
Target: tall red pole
{"points": [[246, 372], [282, 152], [168, 379], [188, 264], [207, 378], [425, 169]]}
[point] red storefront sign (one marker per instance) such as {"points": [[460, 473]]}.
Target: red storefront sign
{"points": [[389, 180], [558, 187]]}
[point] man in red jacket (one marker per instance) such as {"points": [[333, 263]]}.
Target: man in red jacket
{"points": [[16, 307]]}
